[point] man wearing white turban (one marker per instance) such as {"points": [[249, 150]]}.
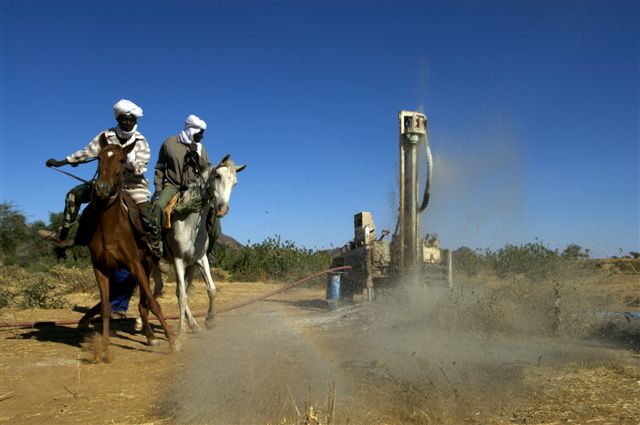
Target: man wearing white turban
{"points": [[135, 183], [181, 160]]}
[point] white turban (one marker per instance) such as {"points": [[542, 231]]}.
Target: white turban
{"points": [[192, 125], [193, 121], [127, 107]]}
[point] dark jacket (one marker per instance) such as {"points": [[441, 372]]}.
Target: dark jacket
{"points": [[177, 165]]}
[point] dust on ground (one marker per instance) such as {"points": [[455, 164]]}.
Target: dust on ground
{"points": [[423, 356]]}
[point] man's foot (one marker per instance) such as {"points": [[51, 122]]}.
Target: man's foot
{"points": [[51, 236], [164, 267], [117, 314]]}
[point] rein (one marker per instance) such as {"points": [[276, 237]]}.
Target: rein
{"points": [[76, 177], [72, 176]]}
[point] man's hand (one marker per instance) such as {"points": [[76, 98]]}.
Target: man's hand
{"points": [[54, 163], [154, 197]]}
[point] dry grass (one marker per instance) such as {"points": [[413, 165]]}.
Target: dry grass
{"points": [[22, 288], [581, 393], [287, 411]]}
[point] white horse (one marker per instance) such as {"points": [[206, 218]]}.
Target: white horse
{"points": [[187, 240]]}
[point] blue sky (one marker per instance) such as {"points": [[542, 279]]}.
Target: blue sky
{"points": [[533, 109]]}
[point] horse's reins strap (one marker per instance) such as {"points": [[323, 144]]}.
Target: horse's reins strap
{"points": [[71, 175], [74, 176]]}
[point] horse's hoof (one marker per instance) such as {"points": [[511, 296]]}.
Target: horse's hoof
{"points": [[180, 333], [138, 325], [152, 342], [195, 328], [210, 323], [175, 346], [107, 356]]}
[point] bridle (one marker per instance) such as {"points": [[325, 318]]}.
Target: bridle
{"points": [[116, 192]]}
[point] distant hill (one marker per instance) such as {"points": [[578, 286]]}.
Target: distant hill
{"points": [[229, 242]]}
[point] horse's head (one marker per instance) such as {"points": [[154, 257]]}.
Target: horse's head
{"points": [[224, 179], [112, 159]]}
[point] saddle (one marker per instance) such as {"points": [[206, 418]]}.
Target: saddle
{"points": [[167, 211], [134, 213], [190, 200]]}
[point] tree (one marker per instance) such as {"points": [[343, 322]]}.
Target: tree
{"points": [[13, 231], [574, 252], [467, 260]]}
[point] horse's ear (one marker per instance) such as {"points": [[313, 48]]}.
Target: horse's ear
{"points": [[127, 149], [103, 140], [240, 167], [223, 160]]}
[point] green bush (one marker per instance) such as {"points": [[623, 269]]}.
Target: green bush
{"points": [[534, 260], [271, 259], [467, 261], [6, 296]]}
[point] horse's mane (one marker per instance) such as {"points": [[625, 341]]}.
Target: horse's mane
{"points": [[192, 198]]}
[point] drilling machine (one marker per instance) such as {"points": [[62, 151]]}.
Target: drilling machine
{"points": [[377, 263]]}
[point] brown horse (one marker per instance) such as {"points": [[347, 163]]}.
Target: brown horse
{"points": [[114, 245]]}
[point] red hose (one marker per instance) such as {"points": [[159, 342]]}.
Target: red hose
{"points": [[222, 310]]}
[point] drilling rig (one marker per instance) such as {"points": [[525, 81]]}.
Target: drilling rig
{"points": [[406, 259]]}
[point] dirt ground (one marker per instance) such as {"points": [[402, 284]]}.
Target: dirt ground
{"points": [[405, 359]]}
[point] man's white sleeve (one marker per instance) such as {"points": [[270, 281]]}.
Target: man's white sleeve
{"points": [[90, 151], [143, 155]]}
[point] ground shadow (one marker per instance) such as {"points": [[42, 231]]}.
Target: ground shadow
{"points": [[58, 334], [48, 332], [79, 309]]}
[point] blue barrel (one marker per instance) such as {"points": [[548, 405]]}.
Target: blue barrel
{"points": [[333, 290]]}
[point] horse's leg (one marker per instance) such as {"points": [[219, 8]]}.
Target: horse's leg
{"points": [[86, 319], [181, 292], [103, 284], [193, 325], [145, 290], [203, 264], [143, 307], [142, 322], [158, 284]]}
